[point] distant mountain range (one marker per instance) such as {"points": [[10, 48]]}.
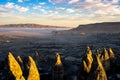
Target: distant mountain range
{"points": [[105, 27], [29, 26]]}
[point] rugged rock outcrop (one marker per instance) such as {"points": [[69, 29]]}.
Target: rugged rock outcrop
{"points": [[36, 58], [33, 71], [86, 65], [105, 59], [58, 70], [87, 62], [15, 67], [111, 53], [20, 61], [58, 62], [99, 73]]}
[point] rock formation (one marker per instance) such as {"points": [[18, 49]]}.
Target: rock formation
{"points": [[15, 67], [111, 53], [36, 58], [99, 73], [33, 71], [87, 63], [58, 62], [105, 59], [20, 61], [58, 70]]}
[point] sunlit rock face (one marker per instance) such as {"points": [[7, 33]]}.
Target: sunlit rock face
{"points": [[111, 53], [105, 59], [33, 71], [99, 73], [87, 62], [58, 70], [20, 61], [58, 62], [15, 67], [36, 58], [85, 65], [98, 53]]}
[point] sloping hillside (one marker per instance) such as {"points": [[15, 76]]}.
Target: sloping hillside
{"points": [[99, 27], [29, 26], [106, 27]]}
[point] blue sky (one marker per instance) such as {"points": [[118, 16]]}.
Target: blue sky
{"points": [[69, 13]]}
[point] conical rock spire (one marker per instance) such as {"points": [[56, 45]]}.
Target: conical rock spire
{"points": [[105, 59], [105, 55], [99, 73], [20, 61], [58, 62], [111, 53], [87, 63], [33, 71], [15, 67]]}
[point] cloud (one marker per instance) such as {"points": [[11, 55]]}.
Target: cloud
{"points": [[9, 5], [3, 10], [98, 8], [60, 9], [93, 1], [58, 1], [73, 1], [42, 3], [68, 10], [20, 1], [115, 1], [21, 9], [43, 11], [37, 7]]}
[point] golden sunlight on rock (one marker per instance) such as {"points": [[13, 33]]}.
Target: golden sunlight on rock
{"points": [[58, 70], [15, 67], [99, 73], [58, 62], [33, 71], [19, 59], [111, 53], [105, 59], [87, 63], [98, 53], [105, 55]]}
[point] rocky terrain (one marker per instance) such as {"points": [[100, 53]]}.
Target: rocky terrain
{"points": [[98, 65], [105, 27], [100, 61]]}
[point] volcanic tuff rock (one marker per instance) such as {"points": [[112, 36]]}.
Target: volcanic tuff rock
{"points": [[20, 61], [58, 62], [99, 73], [36, 58], [33, 71], [58, 70], [15, 67], [87, 63], [105, 59], [111, 53]]}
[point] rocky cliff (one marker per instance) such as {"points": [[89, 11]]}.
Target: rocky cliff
{"points": [[105, 27]]}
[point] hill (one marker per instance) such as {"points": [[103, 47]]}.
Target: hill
{"points": [[106, 27], [28, 26]]}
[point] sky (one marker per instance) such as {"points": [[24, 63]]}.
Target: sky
{"points": [[69, 13]]}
